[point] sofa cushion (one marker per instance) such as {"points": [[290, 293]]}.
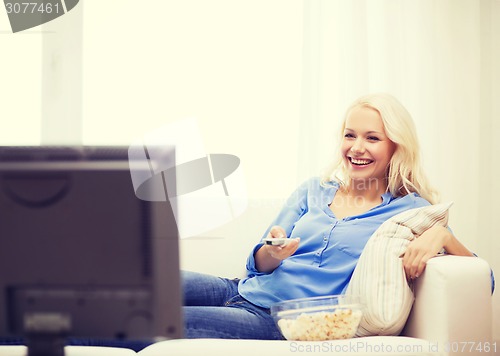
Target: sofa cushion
{"points": [[379, 276]]}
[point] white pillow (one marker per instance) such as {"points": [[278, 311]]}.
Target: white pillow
{"points": [[379, 276]]}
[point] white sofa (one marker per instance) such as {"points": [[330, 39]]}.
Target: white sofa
{"points": [[452, 311]]}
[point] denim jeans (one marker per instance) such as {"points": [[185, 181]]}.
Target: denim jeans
{"points": [[214, 309]]}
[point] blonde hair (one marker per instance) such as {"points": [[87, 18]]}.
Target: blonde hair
{"points": [[405, 174]]}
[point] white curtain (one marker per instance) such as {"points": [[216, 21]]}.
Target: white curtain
{"points": [[427, 53]]}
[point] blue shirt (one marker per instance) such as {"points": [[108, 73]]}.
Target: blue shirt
{"points": [[329, 248]]}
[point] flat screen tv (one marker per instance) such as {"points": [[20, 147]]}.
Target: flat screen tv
{"points": [[80, 254]]}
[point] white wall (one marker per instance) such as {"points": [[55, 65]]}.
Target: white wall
{"points": [[20, 83], [488, 242], [225, 63]]}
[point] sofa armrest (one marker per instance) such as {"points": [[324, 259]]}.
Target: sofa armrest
{"points": [[452, 301]]}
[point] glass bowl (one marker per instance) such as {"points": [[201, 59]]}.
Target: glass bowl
{"points": [[319, 318]]}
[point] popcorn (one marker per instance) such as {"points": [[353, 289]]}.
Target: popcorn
{"points": [[321, 326]]}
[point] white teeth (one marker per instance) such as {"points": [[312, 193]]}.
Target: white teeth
{"points": [[360, 161]]}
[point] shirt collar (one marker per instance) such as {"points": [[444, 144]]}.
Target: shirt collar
{"points": [[387, 197]]}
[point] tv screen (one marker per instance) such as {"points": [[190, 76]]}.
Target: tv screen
{"points": [[80, 254]]}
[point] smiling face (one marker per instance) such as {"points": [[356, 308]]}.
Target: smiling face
{"points": [[366, 150]]}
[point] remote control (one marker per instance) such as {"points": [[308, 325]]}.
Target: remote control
{"points": [[275, 241]]}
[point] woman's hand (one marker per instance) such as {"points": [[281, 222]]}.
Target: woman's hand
{"points": [[268, 257], [428, 245], [423, 248], [281, 252]]}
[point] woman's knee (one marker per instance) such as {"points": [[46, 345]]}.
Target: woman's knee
{"points": [[206, 290]]}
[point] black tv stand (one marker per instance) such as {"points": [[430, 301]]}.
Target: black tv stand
{"points": [[46, 334]]}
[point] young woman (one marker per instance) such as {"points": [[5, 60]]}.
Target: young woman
{"points": [[327, 223]]}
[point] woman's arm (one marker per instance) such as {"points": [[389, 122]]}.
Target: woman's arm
{"points": [[266, 258], [428, 245]]}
